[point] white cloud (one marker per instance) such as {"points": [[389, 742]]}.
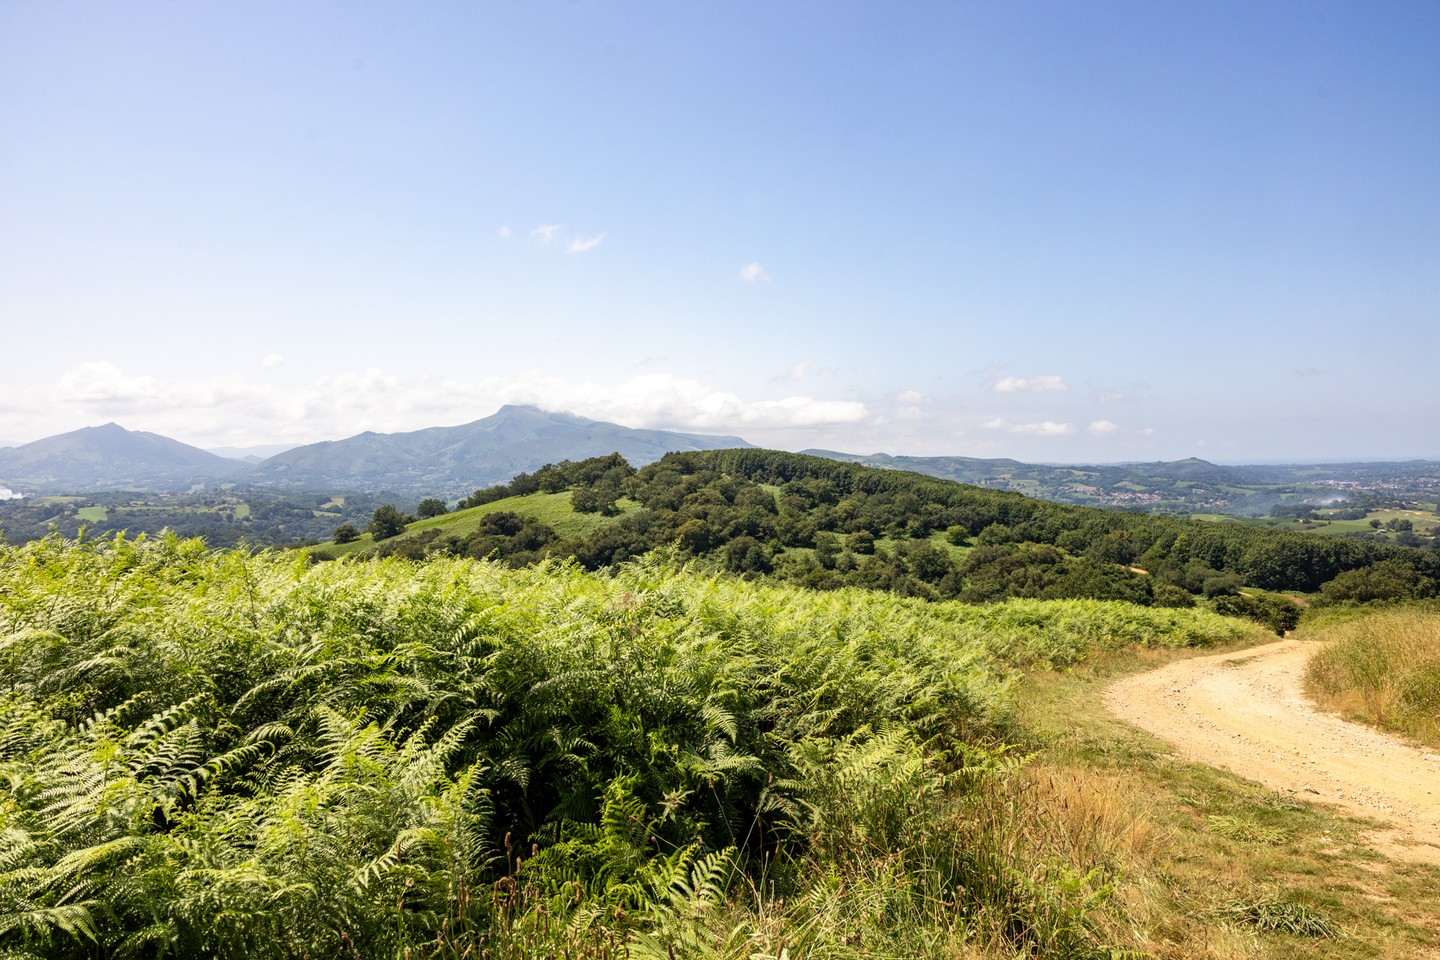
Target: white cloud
{"points": [[1103, 427], [103, 383], [1043, 428], [1135, 390], [909, 413], [662, 399], [235, 411], [1042, 384], [796, 372], [910, 396], [754, 273], [272, 360], [580, 244], [503, 233], [554, 234]]}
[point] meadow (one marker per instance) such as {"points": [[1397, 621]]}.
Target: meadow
{"points": [[552, 509]]}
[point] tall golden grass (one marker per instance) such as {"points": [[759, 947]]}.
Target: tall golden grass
{"points": [[1382, 668]]}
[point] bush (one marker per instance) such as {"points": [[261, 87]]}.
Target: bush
{"points": [[1169, 595], [1280, 614]]}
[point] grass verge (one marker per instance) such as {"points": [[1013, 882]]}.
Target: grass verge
{"points": [[1201, 863], [1382, 668]]}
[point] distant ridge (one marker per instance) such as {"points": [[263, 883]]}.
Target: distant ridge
{"points": [[963, 469], [109, 457], [453, 461], [981, 471], [253, 454]]}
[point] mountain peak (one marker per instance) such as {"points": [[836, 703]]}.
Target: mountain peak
{"points": [[533, 413], [453, 461], [512, 411], [108, 457]]}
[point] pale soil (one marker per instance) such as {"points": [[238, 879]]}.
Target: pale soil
{"points": [[1246, 712]]}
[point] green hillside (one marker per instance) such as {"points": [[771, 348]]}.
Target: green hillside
{"points": [[823, 524], [552, 509]]}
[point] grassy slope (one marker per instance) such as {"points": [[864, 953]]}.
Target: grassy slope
{"points": [[551, 509], [1191, 843]]}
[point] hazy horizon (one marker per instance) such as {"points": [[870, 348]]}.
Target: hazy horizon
{"points": [[1099, 233], [239, 452]]}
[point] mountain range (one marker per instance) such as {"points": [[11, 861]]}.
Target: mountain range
{"points": [[448, 461], [445, 462], [451, 462]]}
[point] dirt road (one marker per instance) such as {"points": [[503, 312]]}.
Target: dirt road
{"points": [[1245, 712]]}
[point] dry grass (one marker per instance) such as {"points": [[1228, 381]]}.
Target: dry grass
{"points": [[1384, 669]]}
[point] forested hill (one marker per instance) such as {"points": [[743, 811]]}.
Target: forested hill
{"points": [[825, 524]]}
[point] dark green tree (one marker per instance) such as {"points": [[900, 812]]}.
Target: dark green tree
{"points": [[747, 555], [1386, 580], [346, 533], [431, 507], [861, 541], [827, 549], [387, 522]]}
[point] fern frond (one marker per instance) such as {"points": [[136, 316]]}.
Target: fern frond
{"points": [[163, 722], [75, 920]]}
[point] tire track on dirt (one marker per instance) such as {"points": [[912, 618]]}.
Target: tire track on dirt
{"points": [[1246, 712]]}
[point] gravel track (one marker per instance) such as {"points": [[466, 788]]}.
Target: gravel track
{"points": [[1246, 712]]}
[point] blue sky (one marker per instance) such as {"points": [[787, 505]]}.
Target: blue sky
{"points": [[1052, 231]]}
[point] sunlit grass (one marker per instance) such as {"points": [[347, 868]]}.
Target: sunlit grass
{"points": [[1382, 668], [552, 509]]}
